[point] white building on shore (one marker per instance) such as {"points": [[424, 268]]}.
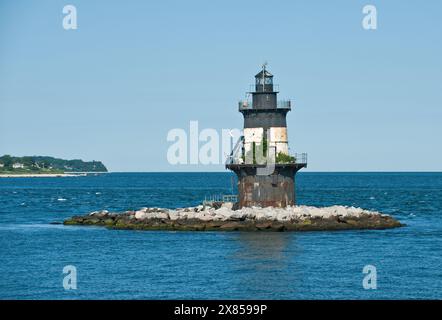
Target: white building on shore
{"points": [[18, 165]]}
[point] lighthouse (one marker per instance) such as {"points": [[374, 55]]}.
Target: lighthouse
{"points": [[261, 158]]}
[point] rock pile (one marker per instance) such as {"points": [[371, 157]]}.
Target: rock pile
{"points": [[294, 218]]}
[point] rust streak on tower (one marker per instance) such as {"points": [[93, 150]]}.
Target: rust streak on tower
{"points": [[261, 160]]}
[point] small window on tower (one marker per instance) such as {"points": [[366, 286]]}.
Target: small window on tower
{"points": [[268, 80]]}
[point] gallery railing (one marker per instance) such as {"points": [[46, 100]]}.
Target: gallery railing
{"points": [[248, 105], [237, 155]]}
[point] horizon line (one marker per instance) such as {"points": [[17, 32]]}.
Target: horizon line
{"points": [[225, 171]]}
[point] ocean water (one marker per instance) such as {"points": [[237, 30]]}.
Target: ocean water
{"points": [[117, 264]]}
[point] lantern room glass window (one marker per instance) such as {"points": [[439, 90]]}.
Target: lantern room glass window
{"points": [[266, 81]]}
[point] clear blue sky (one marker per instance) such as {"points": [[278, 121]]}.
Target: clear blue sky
{"points": [[133, 70]]}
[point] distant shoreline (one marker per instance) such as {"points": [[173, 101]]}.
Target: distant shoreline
{"points": [[48, 175]]}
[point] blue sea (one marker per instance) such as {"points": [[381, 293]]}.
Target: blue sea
{"points": [[121, 264]]}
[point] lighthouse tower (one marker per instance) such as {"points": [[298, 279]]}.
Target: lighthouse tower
{"points": [[261, 159]]}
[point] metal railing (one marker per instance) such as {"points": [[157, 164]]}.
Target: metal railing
{"points": [[237, 155], [236, 152], [300, 158], [245, 104], [248, 105], [252, 88], [284, 104], [230, 198], [210, 200]]}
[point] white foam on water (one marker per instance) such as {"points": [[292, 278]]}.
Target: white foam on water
{"points": [[38, 227], [29, 226]]}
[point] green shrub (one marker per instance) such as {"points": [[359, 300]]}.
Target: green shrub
{"points": [[284, 158]]}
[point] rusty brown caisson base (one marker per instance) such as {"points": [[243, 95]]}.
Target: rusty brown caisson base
{"points": [[275, 190]]}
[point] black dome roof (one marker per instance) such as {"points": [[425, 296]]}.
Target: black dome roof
{"points": [[266, 74]]}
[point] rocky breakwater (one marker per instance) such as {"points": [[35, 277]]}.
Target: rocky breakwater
{"points": [[224, 218]]}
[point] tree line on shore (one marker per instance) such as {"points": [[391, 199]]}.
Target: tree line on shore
{"points": [[10, 163]]}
